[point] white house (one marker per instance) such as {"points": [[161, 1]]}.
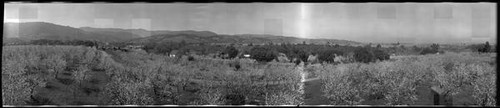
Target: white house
{"points": [[171, 55], [340, 59]]}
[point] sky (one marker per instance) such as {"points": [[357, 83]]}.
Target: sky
{"points": [[362, 22]]}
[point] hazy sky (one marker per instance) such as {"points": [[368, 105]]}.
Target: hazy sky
{"points": [[364, 22]]}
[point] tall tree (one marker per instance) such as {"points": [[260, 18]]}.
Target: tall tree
{"points": [[263, 54], [328, 55], [435, 47], [363, 55], [487, 47], [231, 51]]}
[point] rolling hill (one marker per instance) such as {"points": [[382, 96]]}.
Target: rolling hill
{"points": [[16, 32], [145, 33], [191, 36], [42, 30], [208, 37]]}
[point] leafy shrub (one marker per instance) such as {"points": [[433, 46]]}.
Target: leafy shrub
{"points": [[128, 93], [190, 58], [434, 48], [381, 55], [237, 66], [263, 54], [328, 55], [363, 55], [338, 88], [297, 61], [231, 51], [235, 99], [211, 97], [283, 98], [485, 48], [427, 51], [299, 54]]}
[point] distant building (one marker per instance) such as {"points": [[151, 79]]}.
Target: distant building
{"points": [[282, 57], [173, 53], [134, 46], [312, 58], [246, 55], [340, 59]]}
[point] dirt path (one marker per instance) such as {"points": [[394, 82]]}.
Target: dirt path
{"points": [[313, 94], [312, 89]]}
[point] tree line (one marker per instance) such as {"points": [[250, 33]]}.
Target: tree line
{"points": [[88, 43], [265, 53]]}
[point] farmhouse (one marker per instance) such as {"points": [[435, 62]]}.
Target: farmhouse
{"points": [[173, 53], [134, 46]]}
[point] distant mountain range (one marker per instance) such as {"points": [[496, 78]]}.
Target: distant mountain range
{"points": [[14, 32], [43, 30]]}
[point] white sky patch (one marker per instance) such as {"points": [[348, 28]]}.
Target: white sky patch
{"points": [[104, 23], [304, 21], [11, 14], [141, 23], [11, 20], [17, 15]]}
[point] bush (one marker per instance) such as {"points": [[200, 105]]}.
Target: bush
{"points": [[297, 62], [237, 66], [210, 97], [485, 48], [381, 55], [190, 58], [299, 54], [433, 49], [328, 55], [363, 55], [428, 51], [283, 98], [263, 54], [231, 52], [235, 99]]}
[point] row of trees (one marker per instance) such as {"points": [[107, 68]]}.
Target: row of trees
{"points": [[266, 53], [62, 42], [433, 49], [326, 54], [484, 48]]}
